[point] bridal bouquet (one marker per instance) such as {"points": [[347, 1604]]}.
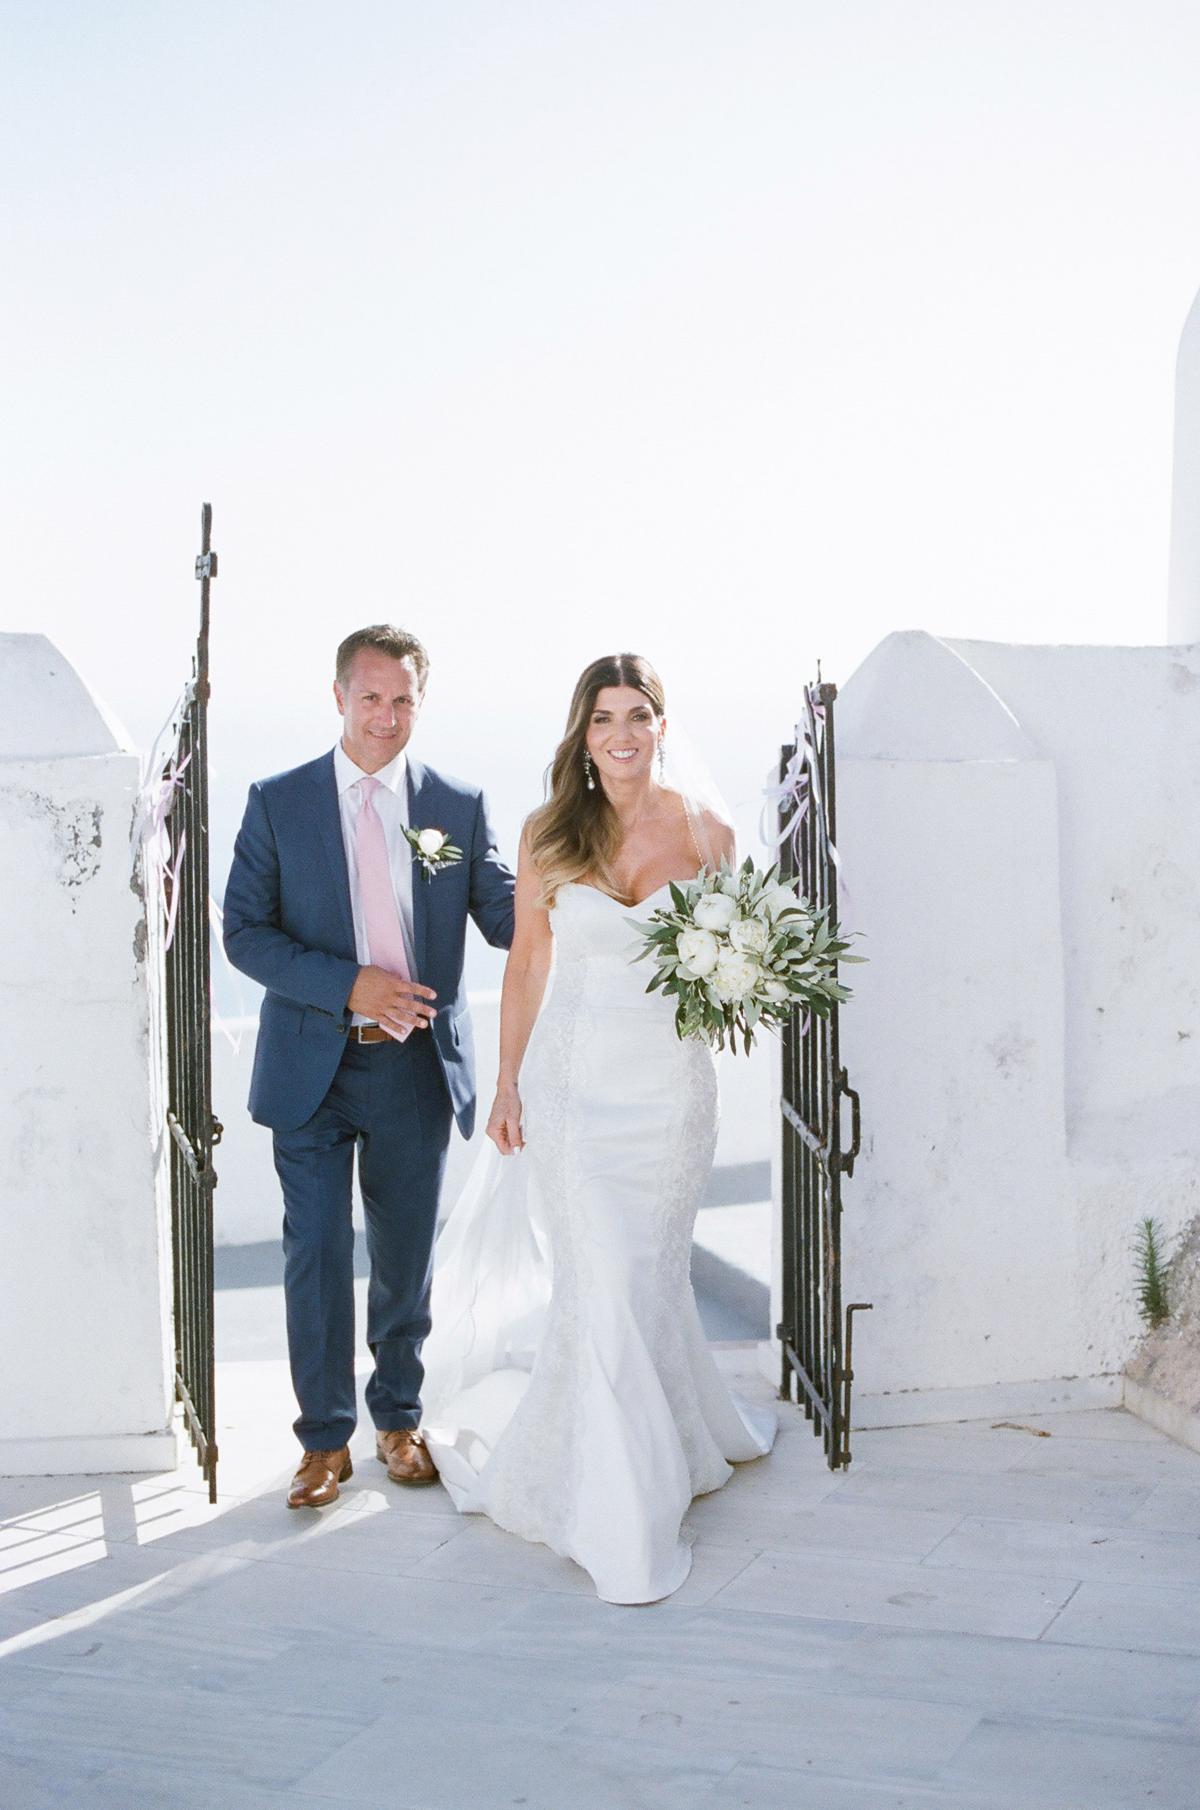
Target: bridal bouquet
{"points": [[739, 949]]}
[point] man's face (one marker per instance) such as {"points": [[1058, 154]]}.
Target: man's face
{"points": [[379, 704]]}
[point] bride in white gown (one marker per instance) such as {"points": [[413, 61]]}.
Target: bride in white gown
{"points": [[570, 1392]]}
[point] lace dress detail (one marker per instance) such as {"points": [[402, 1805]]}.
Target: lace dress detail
{"points": [[597, 1450]]}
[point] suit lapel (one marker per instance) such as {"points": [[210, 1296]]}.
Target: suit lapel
{"points": [[329, 818], [420, 789]]}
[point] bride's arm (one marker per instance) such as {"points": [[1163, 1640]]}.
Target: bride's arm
{"points": [[525, 975]]}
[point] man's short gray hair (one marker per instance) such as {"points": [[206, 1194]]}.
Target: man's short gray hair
{"points": [[382, 638]]}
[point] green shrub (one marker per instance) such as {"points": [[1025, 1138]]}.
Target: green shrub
{"points": [[1152, 1288]]}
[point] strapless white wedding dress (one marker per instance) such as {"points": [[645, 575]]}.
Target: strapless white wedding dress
{"points": [[570, 1392]]}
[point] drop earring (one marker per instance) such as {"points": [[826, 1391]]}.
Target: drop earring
{"points": [[662, 760], [587, 771]]}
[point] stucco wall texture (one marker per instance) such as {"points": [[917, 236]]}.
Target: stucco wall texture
{"points": [[1019, 832], [83, 1323]]}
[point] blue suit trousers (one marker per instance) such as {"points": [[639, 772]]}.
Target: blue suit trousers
{"points": [[388, 1101]]}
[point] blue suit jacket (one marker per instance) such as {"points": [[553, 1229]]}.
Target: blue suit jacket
{"points": [[288, 924]]}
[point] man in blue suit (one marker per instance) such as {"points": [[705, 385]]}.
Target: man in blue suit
{"points": [[364, 1038]]}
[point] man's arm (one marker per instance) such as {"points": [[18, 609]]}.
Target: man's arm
{"points": [[491, 897], [254, 941]]}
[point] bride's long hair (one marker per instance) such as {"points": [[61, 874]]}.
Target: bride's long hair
{"points": [[575, 834]]}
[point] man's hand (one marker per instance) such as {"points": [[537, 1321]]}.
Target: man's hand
{"points": [[398, 1005]]}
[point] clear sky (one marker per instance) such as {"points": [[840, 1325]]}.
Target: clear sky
{"points": [[737, 334]]}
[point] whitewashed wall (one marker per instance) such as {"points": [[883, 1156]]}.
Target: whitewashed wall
{"points": [[84, 1380], [1019, 829], [1183, 583]]}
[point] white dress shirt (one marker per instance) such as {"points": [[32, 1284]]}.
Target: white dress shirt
{"points": [[391, 806]]}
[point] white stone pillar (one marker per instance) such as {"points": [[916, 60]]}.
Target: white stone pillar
{"points": [[953, 1226], [84, 1314], [1183, 591]]}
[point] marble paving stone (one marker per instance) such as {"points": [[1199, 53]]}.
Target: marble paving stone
{"points": [[951, 1446], [793, 1464], [360, 1532], [403, 1499], [20, 1541], [137, 1784], [16, 1681], [159, 1513], [33, 1563], [1014, 1495], [126, 1508], [803, 1607], [1019, 1676], [189, 1524], [1080, 1767], [32, 1779], [167, 1787], [409, 1686], [157, 1509], [36, 1498], [383, 1543], [1117, 1460], [466, 1767], [1095, 1423], [840, 1526], [179, 1723], [728, 1712], [896, 1594], [789, 1473], [1170, 1508], [1070, 1550], [754, 1786], [144, 1645], [349, 1603], [1135, 1617], [771, 1483], [485, 1553], [17, 1617], [107, 1579], [583, 1632]]}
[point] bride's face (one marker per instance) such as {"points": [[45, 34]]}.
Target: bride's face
{"points": [[623, 734]]}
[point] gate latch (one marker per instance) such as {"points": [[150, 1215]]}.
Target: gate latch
{"points": [[846, 1157]]}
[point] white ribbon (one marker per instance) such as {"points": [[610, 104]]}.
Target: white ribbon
{"points": [[799, 788]]}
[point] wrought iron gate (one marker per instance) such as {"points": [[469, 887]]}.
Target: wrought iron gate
{"points": [[817, 1346], [193, 1129]]}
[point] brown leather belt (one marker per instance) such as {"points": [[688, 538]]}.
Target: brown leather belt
{"points": [[369, 1033]]}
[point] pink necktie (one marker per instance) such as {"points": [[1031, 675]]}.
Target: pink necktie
{"points": [[385, 939]]}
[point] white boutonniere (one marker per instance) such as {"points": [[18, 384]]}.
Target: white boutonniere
{"points": [[433, 849]]}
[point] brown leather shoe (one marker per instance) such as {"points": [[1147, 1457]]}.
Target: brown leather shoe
{"points": [[406, 1456], [316, 1482]]}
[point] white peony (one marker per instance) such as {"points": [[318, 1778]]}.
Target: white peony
{"points": [[775, 989], [779, 898], [698, 949], [715, 911], [735, 975], [431, 842], [749, 935]]}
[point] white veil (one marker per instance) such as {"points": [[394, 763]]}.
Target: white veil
{"points": [[686, 771]]}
